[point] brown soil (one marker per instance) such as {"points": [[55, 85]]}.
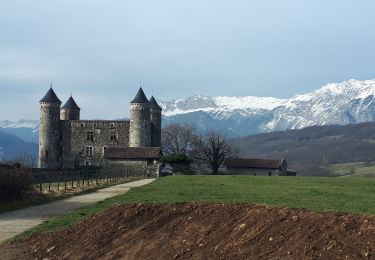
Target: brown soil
{"points": [[206, 231]]}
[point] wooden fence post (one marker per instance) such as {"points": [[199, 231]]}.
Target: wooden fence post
{"points": [[49, 181], [40, 180], [58, 183], [65, 181]]}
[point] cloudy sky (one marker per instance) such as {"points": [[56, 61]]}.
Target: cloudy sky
{"points": [[101, 50]]}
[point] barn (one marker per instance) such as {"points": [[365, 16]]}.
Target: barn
{"points": [[258, 167]]}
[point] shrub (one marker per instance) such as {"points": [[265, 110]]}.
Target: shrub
{"points": [[15, 183], [179, 162]]}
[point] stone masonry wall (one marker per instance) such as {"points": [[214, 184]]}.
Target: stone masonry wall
{"points": [[155, 127], [140, 129], [77, 140], [49, 136]]}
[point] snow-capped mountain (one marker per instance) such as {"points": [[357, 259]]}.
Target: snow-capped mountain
{"points": [[351, 101], [27, 130]]}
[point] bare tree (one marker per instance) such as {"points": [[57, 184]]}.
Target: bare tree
{"points": [[178, 138], [213, 149], [25, 159]]}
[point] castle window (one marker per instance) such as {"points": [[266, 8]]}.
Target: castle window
{"points": [[113, 135], [104, 149], [61, 151], [89, 150], [46, 154], [90, 135], [55, 119]]}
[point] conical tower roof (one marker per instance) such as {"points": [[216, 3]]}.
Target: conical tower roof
{"points": [[71, 104], [154, 104], [50, 97], [140, 97]]}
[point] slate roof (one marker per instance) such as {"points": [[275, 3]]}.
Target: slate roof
{"points": [[154, 104], [71, 104], [140, 97], [133, 153], [254, 163], [50, 97]]}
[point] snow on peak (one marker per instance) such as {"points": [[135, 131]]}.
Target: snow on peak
{"points": [[344, 91], [34, 124], [249, 102]]}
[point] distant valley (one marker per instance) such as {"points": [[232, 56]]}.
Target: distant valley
{"points": [[314, 149]]}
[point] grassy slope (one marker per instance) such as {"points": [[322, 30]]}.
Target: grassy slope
{"points": [[359, 169], [356, 195], [309, 149]]}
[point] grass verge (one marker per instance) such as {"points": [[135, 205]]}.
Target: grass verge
{"points": [[354, 195], [38, 198]]}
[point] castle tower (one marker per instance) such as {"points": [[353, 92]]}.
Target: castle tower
{"points": [[140, 128], [155, 119], [49, 131], [70, 111]]}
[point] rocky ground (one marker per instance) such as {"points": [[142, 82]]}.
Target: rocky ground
{"points": [[205, 231]]}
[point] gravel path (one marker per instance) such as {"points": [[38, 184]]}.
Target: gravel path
{"points": [[15, 222]]}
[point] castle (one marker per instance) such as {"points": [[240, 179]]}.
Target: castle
{"points": [[65, 141]]}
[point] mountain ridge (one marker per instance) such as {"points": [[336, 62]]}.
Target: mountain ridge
{"points": [[347, 102], [351, 101]]}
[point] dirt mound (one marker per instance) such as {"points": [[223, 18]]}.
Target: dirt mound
{"points": [[208, 231]]}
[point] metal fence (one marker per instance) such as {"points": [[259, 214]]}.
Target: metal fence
{"points": [[46, 179]]}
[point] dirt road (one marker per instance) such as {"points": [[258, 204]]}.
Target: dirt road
{"points": [[16, 222]]}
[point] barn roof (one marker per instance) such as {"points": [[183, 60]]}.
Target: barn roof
{"points": [[254, 163], [133, 153], [140, 97], [50, 97]]}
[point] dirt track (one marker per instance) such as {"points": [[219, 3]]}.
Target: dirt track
{"points": [[207, 231]]}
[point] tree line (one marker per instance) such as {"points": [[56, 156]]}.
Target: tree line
{"points": [[211, 149]]}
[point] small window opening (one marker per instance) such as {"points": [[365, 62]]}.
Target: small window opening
{"points": [[113, 136], [90, 136], [89, 151]]}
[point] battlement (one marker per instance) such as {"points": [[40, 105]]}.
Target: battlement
{"points": [[99, 123]]}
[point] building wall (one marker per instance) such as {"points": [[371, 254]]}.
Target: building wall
{"points": [[155, 120], [140, 129], [76, 141], [49, 136], [255, 172], [69, 114]]}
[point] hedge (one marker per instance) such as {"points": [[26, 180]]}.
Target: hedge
{"points": [[15, 183]]}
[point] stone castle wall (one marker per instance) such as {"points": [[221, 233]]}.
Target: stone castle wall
{"points": [[155, 127], [69, 114], [49, 136], [81, 149], [140, 128], [67, 142]]}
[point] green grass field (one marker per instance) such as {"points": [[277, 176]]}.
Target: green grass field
{"points": [[359, 169], [355, 195]]}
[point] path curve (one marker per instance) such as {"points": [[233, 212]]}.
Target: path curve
{"points": [[15, 222]]}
